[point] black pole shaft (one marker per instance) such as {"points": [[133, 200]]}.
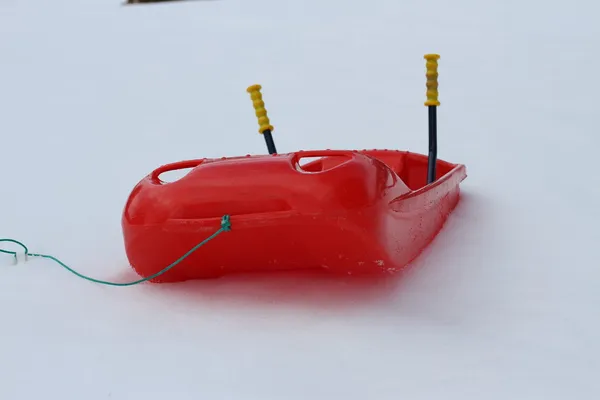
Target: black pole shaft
{"points": [[270, 142], [431, 173]]}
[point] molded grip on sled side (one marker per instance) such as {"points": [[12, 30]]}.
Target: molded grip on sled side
{"points": [[432, 79], [259, 108]]}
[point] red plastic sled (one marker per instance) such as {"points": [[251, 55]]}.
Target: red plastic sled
{"points": [[352, 212]]}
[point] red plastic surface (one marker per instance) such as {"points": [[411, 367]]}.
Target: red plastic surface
{"points": [[347, 212]]}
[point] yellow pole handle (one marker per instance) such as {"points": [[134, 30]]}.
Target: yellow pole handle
{"points": [[432, 79], [259, 109]]}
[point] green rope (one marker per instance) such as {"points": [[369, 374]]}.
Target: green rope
{"points": [[225, 227]]}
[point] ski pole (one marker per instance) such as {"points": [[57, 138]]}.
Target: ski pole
{"points": [[432, 103]]}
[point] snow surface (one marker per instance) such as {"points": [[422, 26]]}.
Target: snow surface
{"points": [[503, 305]]}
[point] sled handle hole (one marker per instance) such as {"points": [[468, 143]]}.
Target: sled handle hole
{"points": [[170, 173], [315, 162]]}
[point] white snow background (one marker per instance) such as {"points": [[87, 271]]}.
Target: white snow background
{"points": [[503, 305]]}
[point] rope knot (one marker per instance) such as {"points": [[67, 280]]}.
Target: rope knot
{"points": [[226, 223]]}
